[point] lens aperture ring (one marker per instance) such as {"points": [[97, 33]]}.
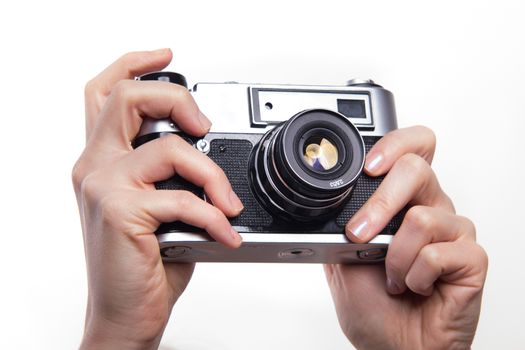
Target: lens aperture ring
{"points": [[290, 174], [282, 204]]}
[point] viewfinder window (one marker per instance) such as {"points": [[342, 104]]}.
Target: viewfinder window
{"points": [[352, 108]]}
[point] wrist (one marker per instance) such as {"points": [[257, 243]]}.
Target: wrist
{"points": [[101, 336], [104, 342]]}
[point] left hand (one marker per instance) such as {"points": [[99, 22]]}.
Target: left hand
{"points": [[131, 292], [428, 294]]}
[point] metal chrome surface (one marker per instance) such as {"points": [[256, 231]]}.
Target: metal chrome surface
{"points": [[229, 106], [270, 247]]}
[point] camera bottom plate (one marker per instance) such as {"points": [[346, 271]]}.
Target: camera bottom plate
{"points": [[272, 247]]}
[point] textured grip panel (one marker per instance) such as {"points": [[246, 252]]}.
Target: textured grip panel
{"points": [[364, 188], [233, 156]]}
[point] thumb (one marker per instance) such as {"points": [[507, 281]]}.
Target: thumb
{"points": [[178, 276], [356, 289]]}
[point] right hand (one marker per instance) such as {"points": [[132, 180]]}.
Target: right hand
{"points": [[131, 292], [434, 269]]}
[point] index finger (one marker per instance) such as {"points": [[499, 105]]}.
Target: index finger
{"points": [[164, 157], [418, 140], [128, 66], [131, 101]]}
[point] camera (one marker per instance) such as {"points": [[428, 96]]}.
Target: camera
{"points": [[294, 154]]}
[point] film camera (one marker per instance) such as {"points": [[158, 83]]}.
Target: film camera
{"points": [[294, 155]]}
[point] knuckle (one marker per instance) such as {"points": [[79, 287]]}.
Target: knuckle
{"points": [[214, 219], [169, 144], [484, 257], [120, 86], [468, 227], [89, 186], [110, 209], [381, 203], [216, 216], [392, 141], [417, 169], [478, 261], [413, 164], [122, 90], [216, 174], [394, 265], [430, 255], [184, 198], [105, 207], [429, 134], [416, 286], [444, 201], [430, 140], [421, 219], [90, 88], [78, 173], [180, 93], [184, 102]]}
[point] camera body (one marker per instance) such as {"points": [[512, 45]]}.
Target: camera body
{"points": [[294, 155]]}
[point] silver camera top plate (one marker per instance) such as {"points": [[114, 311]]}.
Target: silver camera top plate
{"points": [[256, 108]]}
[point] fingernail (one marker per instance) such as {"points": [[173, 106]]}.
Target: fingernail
{"points": [[358, 229], [162, 51], [392, 287], [374, 162], [235, 201], [235, 235], [205, 122]]}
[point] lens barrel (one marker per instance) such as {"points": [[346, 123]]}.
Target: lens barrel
{"points": [[305, 168]]}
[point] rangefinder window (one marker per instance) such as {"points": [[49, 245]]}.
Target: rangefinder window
{"points": [[272, 106]]}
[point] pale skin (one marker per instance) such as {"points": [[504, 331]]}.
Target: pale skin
{"points": [[426, 296]]}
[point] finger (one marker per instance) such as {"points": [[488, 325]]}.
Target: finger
{"points": [[169, 206], [421, 227], [160, 159], [419, 140], [130, 101], [128, 66], [411, 180], [462, 263]]}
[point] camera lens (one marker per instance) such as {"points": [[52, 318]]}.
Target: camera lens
{"points": [[305, 168], [320, 153]]}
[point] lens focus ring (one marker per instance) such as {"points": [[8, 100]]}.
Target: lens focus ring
{"points": [[306, 167]]}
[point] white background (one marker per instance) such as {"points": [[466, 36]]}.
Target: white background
{"points": [[455, 66]]}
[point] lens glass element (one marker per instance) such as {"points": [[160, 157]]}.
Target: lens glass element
{"points": [[320, 154]]}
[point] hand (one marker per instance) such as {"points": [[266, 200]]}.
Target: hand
{"points": [[428, 294], [131, 292]]}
